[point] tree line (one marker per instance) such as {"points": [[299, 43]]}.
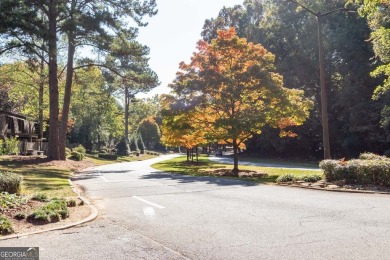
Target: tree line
{"points": [[356, 48], [50, 35]]}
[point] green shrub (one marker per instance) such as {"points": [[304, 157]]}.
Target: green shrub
{"points": [[11, 145], [372, 156], [67, 152], [141, 144], [43, 216], [20, 215], [134, 144], [328, 166], [286, 178], [310, 178], [5, 226], [71, 203], [370, 170], [2, 147], [59, 206], [108, 156], [123, 148], [40, 197], [51, 212], [10, 182], [80, 149], [11, 200], [77, 156]]}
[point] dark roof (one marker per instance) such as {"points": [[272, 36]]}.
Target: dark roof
{"points": [[12, 114]]}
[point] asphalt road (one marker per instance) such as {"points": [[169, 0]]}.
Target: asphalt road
{"points": [[152, 215]]}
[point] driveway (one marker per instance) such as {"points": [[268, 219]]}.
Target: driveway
{"points": [[153, 215]]}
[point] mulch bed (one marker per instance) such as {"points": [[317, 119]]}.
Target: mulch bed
{"points": [[241, 174]]}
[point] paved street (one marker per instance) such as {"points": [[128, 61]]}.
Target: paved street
{"points": [[147, 214]]}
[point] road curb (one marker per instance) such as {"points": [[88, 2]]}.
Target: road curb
{"points": [[334, 190], [91, 217]]}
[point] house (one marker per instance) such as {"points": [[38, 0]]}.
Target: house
{"points": [[17, 126]]}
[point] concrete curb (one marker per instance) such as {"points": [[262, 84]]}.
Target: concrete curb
{"points": [[92, 216], [334, 190]]}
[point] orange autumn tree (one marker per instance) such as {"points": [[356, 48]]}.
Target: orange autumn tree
{"points": [[232, 86], [178, 128]]}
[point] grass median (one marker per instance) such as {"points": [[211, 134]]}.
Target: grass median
{"points": [[180, 165]]}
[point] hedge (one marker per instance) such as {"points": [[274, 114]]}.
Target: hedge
{"points": [[76, 156], [10, 182], [369, 169], [108, 156]]}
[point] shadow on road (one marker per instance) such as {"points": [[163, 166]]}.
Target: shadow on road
{"points": [[186, 179]]}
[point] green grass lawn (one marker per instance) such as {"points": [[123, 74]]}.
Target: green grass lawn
{"points": [[290, 163], [100, 161], [39, 179], [181, 166]]}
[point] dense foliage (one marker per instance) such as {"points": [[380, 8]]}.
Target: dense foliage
{"points": [[357, 123], [230, 91], [368, 169], [10, 182]]}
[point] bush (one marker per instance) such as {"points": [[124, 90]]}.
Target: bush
{"points": [[67, 152], [328, 166], [286, 178], [20, 215], [43, 216], [123, 148], [71, 203], [134, 144], [373, 169], [80, 149], [372, 156], [51, 212], [40, 197], [10, 182], [5, 226], [141, 144], [2, 147], [11, 146], [11, 200], [77, 156], [310, 178], [108, 156]]}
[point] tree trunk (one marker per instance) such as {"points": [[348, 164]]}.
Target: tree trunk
{"points": [[324, 99], [68, 88], [67, 96], [53, 83], [188, 154], [40, 102], [235, 157], [127, 104]]}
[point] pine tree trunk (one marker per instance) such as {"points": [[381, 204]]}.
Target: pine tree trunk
{"points": [[53, 83], [40, 101], [235, 157], [68, 87], [127, 104], [67, 97]]}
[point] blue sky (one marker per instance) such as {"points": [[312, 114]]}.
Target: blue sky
{"points": [[172, 34]]}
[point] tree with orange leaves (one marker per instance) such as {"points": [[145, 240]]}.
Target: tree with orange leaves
{"points": [[232, 87], [178, 127]]}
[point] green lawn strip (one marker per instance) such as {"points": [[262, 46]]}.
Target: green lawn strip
{"points": [[101, 161], [181, 166], [54, 182], [287, 163]]}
